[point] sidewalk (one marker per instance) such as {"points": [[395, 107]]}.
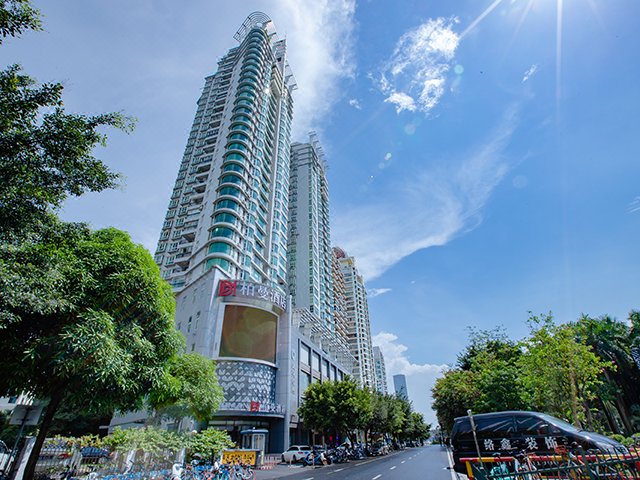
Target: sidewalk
{"points": [[279, 471]]}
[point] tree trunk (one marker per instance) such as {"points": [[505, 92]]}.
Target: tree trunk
{"points": [[621, 407], [574, 398], [587, 411], [612, 422], [624, 415], [54, 403]]}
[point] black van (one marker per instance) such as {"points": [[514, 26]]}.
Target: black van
{"points": [[509, 433]]}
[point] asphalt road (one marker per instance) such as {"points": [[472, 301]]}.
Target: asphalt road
{"points": [[428, 462]]}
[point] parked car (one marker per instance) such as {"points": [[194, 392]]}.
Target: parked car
{"points": [[94, 454], [508, 433], [56, 458], [379, 448], [295, 453]]}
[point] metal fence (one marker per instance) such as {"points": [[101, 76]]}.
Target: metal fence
{"points": [[60, 460], [575, 464]]}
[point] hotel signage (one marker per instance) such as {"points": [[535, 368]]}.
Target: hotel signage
{"points": [[240, 288]]}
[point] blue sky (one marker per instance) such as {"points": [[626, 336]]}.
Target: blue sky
{"points": [[484, 157]]}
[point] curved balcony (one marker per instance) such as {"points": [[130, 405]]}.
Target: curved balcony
{"points": [[226, 218]]}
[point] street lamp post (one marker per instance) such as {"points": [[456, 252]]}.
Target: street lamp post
{"points": [[475, 437]]}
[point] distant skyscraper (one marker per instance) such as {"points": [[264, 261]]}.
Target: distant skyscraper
{"points": [[379, 370], [357, 315], [309, 248], [400, 386], [229, 204]]}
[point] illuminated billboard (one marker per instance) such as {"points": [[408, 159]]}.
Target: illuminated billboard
{"points": [[248, 333]]}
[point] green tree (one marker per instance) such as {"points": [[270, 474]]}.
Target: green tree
{"points": [[560, 373], [152, 440], [453, 394], [45, 153], [352, 406], [317, 407], [486, 378], [86, 319], [387, 414], [336, 407], [209, 443], [16, 16], [612, 340], [190, 389], [421, 430]]}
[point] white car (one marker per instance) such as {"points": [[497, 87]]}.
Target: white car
{"points": [[296, 453]]}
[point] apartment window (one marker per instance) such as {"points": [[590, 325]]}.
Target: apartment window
{"points": [[305, 355], [316, 362], [305, 380]]}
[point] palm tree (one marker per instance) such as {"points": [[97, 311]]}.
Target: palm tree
{"points": [[611, 341]]}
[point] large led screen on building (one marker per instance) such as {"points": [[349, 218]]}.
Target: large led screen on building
{"points": [[248, 333]]}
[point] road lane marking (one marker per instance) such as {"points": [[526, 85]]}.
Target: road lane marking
{"points": [[339, 469], [376, 477], [454, 475], [402, 461], [392, 467]]}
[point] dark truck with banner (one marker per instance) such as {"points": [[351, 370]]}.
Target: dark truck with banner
{"points": [[509, 433]]}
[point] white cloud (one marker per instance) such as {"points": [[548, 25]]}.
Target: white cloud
{"points": [[634, 206], [355, 104], [402, 101], [428, 210], [420, 377], [320, 49], [414, 77], [530, 73], [376, 292]]}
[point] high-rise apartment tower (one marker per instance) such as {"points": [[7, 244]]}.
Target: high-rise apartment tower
{"points": [[379, 370], [230, 200], [357, 316], [223, 245], [309, 252]]}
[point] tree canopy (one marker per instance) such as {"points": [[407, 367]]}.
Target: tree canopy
{"points": [[342, 408], [45, 152], [190, 388], [580, 371], [16, 16], [335, 407], [85, 319]]}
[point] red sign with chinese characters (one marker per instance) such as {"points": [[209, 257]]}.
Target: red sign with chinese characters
{"points": [[254, 407], [227, 288]]}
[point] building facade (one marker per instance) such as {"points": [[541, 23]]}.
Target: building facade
{"points": [[357, 317], [400, 386], [224, 239], [379, 370], [230, 200], [309, 247]]}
